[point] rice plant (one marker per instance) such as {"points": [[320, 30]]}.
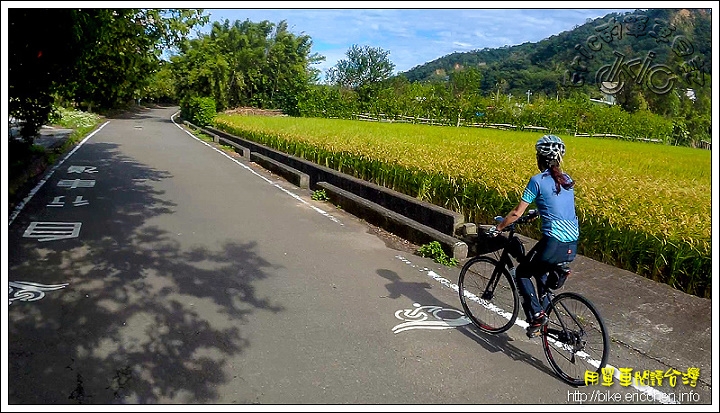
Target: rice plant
{"points": [[643, 207]]}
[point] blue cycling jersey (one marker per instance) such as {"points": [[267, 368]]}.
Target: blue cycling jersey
{"points": [[557, 210]]}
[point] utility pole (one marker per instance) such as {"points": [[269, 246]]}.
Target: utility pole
{"points": [[528, 93]]}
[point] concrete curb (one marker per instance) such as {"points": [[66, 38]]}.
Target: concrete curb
{"points": [[363, 199], [299, 179], [441, 219], [244, 152], [393, 222]]}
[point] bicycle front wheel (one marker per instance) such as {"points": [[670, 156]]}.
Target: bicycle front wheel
{"points": [[575, 339], [488, 294]]}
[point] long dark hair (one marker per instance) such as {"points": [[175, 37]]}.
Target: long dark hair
{"points": [[561, 179]]}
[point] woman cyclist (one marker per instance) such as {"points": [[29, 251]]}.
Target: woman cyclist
{"points": [[552, 192]]}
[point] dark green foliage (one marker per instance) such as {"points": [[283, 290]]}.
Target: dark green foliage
{"points": [[36, 61], [435, 251], [247, 64], [328, 102], [97, 58], [199, 111], [550, 57], [364, 66]]}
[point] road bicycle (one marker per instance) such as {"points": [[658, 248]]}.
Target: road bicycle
{"points": [[575, 340]]}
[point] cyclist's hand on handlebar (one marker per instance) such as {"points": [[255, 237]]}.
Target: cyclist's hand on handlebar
{"points": [[493, 231]]}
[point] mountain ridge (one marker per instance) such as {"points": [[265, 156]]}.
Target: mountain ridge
{"points": [[543, 66]]}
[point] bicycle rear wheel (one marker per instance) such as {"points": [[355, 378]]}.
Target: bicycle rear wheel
{"points": [[575, 339], [488, 294]]}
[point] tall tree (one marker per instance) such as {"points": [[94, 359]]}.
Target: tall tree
{"points": [[201, 69], [247, 64], [288, 70], [36, 62], [364, 65], [128, 48], [465, 89], [100, 56]]}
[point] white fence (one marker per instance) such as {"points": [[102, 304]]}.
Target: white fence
{"points": [[381, 117]]}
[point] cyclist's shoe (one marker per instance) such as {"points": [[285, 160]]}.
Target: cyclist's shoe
{"points": [[536, 325]]}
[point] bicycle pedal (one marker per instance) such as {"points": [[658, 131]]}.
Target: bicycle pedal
{"points": [[532, 333]]}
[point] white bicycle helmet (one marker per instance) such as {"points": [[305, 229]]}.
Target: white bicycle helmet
{"points": [[550, 147]]}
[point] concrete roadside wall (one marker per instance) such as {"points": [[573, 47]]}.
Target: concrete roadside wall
{"points": [[299, 179], [441, 219], [398, 224]]}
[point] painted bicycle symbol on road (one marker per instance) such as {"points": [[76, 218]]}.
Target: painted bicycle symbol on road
{"points": [[429, 317], [612, 77], [30, 291]]}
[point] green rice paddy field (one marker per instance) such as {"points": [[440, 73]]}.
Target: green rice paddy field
{"points": [[643, 207]]}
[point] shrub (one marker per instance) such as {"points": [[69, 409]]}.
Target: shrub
{"points": [[434, 250], [199, 111], [74, 119], [320, 195]]}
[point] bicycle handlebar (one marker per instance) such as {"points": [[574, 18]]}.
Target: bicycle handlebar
{"points": [[531, 215]]}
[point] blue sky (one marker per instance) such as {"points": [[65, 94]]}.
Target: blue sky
{"points": [[416, 35]]}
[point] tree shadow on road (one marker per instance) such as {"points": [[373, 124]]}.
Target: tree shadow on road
{"points": [[144, 112], [143, 318]]}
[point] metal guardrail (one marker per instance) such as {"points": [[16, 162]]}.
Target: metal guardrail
{"points": [[381, 117]]}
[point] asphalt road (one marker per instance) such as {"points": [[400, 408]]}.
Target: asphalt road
{"points": [[151, 268]]}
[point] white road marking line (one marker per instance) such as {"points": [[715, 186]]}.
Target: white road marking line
{"points": [[32, 193], [651, 391], [297, 197]]}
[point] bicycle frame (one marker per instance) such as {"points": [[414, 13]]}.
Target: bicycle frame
{"points": [[565, 329], [515, 249], [505, 261]]}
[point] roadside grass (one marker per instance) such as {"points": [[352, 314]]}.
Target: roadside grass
{"points": [[29, 161], [204, 136], [435, 251]]}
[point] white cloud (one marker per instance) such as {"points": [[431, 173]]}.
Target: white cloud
{"points": [[414, 36]]}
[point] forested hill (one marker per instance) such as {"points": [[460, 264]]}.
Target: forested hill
{"points": [[680, 38]]}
